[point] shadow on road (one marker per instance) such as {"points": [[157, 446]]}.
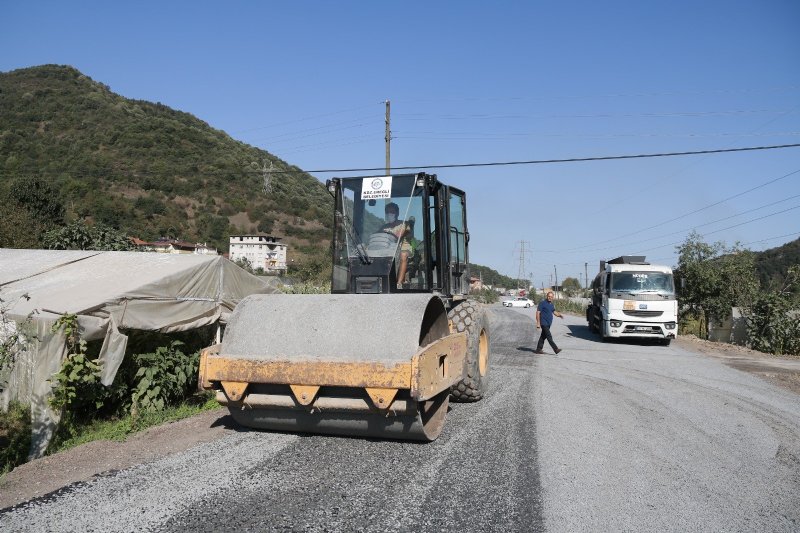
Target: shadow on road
{"points": [[227, 422], [583, 332]]}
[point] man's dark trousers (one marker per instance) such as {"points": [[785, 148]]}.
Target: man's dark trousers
{"points": [[546, 335]]}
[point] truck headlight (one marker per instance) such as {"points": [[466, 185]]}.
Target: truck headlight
{"points": [[670, 325], [616, 323]]}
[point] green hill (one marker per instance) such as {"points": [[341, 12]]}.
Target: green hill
{"points": [[493, 277], [71, 149], [772, 264]]}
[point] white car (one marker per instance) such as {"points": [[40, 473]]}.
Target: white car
{"points": [[519, 301]]}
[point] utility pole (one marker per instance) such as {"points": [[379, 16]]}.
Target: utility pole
{"points": [[388, 137], [555, 270], [586, 275], [266, 174], [521, 271]]}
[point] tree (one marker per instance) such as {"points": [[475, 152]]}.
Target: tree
{"points": [[314, 269], [571, 286], [18, 229], [80, 236], [485, 295], [714, 278], [772, 319], [243, 262], [39, 199]]}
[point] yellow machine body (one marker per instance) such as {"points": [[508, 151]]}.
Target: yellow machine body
{"points": [[370, 365]]}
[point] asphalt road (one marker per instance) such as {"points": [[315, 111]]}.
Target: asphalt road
{"points": [[604, 437]]}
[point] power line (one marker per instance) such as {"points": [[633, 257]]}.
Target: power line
{"points": [[672, 258], [684, 230], [697, 161], [319, 130], [679, 217], [303, 119], [461, 136], [544, 161], [773, 238], [466, 165], [488, 116], [786, 88], [727, 228]]}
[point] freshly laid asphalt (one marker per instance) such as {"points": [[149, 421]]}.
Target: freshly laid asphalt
{"points": [[621, 436]]}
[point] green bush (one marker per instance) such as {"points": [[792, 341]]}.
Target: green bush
{"points": [[157, 374], [485, 295], [569, 306], [15, 436], [164, 377], [306, 288]]}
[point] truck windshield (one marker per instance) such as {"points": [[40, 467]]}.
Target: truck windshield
{"points": [[642, 282]]}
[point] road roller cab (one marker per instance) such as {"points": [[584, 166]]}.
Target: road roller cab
{"points": [[385, 352], [404, 233]]}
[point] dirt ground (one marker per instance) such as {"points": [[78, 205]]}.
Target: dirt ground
{"points": [[782, 371], [45, 476]]}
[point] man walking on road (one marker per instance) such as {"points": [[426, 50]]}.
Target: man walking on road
{"points": [[544, 319]]}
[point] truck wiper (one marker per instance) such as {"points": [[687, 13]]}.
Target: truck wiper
{"points": [[361, 250]]}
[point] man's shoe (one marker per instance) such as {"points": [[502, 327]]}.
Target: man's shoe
{"points": [[540, 352], [558, 351]]}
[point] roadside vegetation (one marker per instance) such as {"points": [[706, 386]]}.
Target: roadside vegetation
{"points": [[713, 278], [156, 383], [565, 305]]}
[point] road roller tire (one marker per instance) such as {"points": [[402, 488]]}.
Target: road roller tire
{"points": [[471, 317]]}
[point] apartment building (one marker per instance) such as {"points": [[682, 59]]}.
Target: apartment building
{"points": [[261, 251]]}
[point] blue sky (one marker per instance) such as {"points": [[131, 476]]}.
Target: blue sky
{"points": [[478, 82]]}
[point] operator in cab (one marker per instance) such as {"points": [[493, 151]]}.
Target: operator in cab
{"points": [[402, 232]]}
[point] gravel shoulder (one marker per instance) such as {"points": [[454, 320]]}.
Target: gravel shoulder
{"points": [[782, 371], [46, 475]]}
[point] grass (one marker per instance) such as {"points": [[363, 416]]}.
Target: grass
{"points": [[121, 428], [568, 306]]}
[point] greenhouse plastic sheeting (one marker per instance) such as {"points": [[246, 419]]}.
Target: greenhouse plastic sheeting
{"points": [[108, 292]]}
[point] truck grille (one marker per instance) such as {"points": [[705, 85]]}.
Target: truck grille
{"points": [[643, 313], [646, 297]]}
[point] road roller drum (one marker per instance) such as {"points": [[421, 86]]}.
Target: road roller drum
{"points": [[369, 365]]}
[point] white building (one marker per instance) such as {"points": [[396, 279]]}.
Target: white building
{"points": [[261, 251]]}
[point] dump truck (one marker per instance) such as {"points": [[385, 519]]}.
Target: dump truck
{"points": [[633, 299], [394, 342]]}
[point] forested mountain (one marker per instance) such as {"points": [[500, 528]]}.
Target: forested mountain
{"points": [[72, 149], [493, 277], [773, 264]]}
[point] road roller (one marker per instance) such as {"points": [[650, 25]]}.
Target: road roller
{"points": [[394, 342]]}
